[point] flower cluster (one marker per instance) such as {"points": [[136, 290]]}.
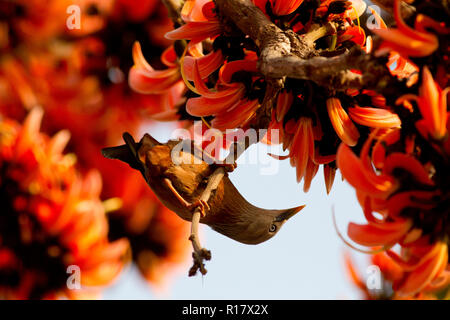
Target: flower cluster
{"points": [[78, 77], [401, 174], [52, 218], [398, 126], [226, 89]]}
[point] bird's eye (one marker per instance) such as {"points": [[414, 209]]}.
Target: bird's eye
{"points": [[273, 228]]}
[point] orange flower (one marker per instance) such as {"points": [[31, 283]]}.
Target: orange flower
{"points": [[341, 122], [227, 102], [405, 40], [144, 79], [53, 214], [432, 103], [411, 210], [201, 22], [391, 274]]}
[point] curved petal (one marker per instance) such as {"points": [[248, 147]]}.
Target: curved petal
{"points": [[359, 177], [237, 116], [206, 64], [374, 117], [195, 31], [203, 106], [371, 236], [156, 81], [342, 124]]}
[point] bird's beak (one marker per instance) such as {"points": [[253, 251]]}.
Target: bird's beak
{"points": [[285, 215]]}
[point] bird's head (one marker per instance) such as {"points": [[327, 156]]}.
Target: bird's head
{"points": [[258, 226]]}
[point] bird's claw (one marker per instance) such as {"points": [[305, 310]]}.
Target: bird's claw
{"points": [[198, 257], [201, 205]]}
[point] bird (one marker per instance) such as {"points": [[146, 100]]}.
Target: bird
{"points": [[179, 184]]}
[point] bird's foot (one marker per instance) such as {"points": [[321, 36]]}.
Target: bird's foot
{"points": [[202, 205], [199, 256]]}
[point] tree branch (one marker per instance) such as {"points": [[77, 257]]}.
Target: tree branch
{"points": [[287, 54]]}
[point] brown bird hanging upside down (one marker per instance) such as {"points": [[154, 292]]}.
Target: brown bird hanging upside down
{"points": [[179, 186]]}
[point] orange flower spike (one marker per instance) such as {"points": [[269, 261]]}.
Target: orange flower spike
{"points": [[144, 79], [405, 40], [341, 122], [432, 102]]}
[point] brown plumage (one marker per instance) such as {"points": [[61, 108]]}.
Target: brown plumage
{"points": [[179, 186]]}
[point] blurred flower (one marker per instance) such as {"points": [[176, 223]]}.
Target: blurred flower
{"points": [[79, 78], [53, 217], [410, 200], [432, 103], [409, 42], [390, 272]]}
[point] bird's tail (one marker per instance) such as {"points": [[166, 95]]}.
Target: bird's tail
{"points": [[127, 153]]}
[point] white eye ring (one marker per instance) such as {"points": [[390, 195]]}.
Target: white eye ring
{"points": [[273, 228]]}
